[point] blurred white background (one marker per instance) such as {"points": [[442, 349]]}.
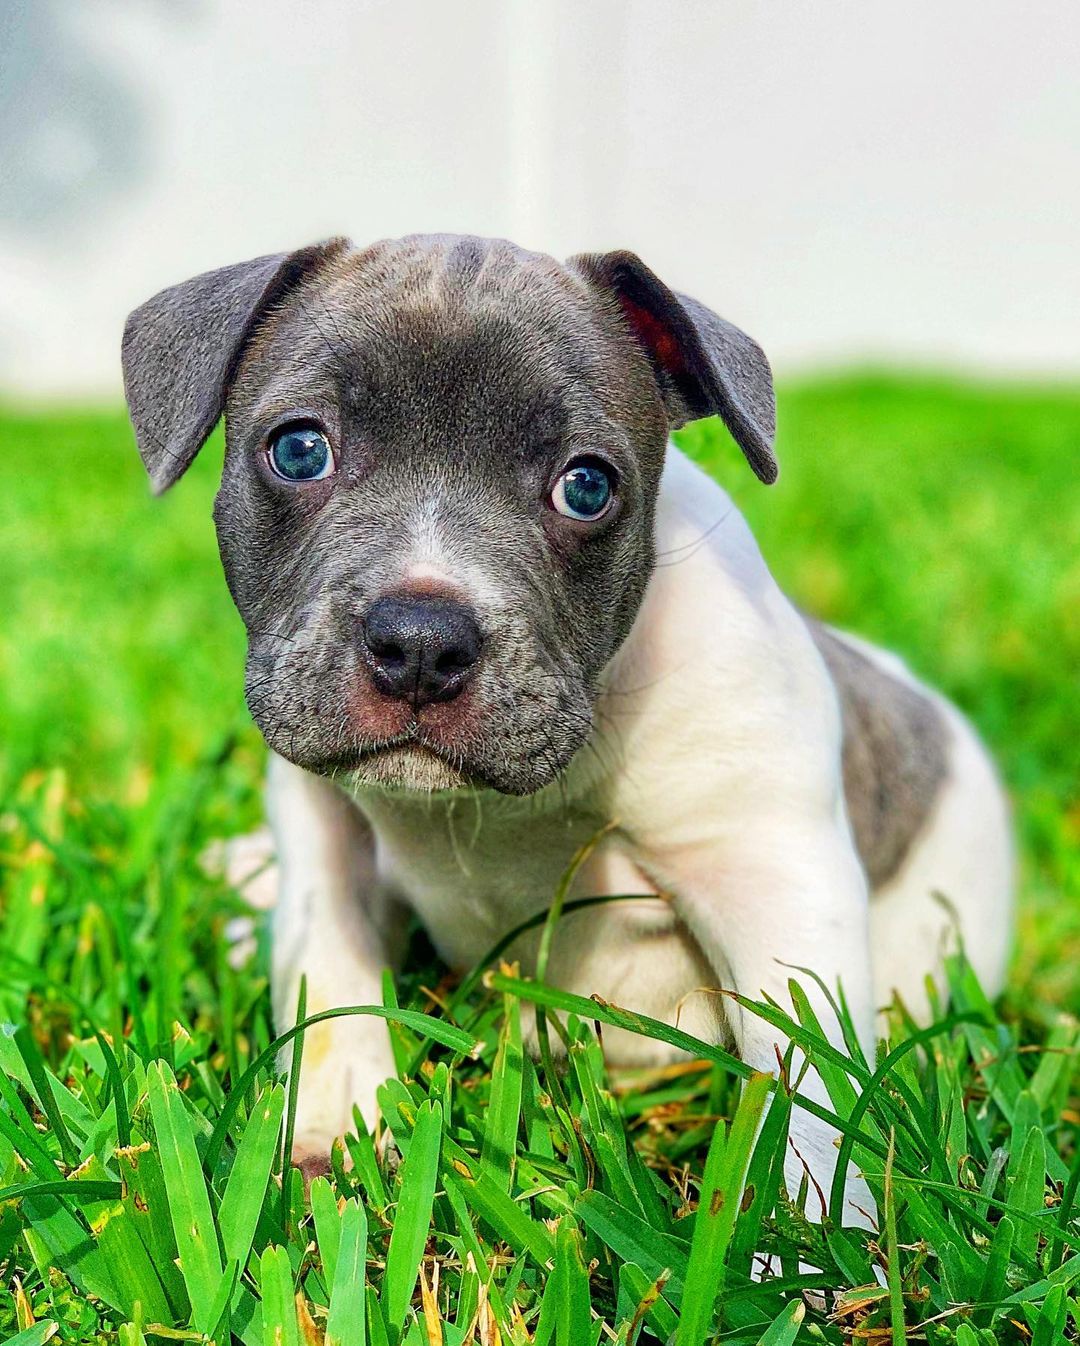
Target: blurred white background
{"points": [[850, 181]]}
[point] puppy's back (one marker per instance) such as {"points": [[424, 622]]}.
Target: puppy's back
{"points": [[895, 754]]}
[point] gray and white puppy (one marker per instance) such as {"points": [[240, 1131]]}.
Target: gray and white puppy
{"points": [[491, 610]]}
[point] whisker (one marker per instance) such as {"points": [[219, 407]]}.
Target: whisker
{"points": [[691, 548]]}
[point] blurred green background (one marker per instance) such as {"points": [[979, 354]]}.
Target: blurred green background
{"points": [[937, 517]]}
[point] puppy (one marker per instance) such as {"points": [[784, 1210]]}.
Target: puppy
{"points": [[491, 611]]}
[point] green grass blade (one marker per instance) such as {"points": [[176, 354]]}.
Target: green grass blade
{"points": [[376, 1322], [189, 1200], [785, 1326], [412, 1218], [992, 1289], [147, 1204], [35, 1068], [51, 986], [474, 1250], [362, 1152], [763, 1180], [37, 1334], [279, 1322], [249, 1178], [296, 1059], [327, 1220], [837, 1081], [17, 1127], [346, 1319], [504, 1105], [1026, 1186], [570, 1286], [218, 1313], [1050, 1324], [892, 1252], [641, 1300], [82, 1192], [721, 1194], [634, 1240], [74, 1111], [871, 1093], [704, 1268]]}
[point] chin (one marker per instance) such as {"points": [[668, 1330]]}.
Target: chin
{"points": [[409, 767]]}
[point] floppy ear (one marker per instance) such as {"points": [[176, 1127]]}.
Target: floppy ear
{"points": [[181, 349], [704, 366]]}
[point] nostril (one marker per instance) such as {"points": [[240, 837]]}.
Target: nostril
{"points": [[454, 661], [386, 651], [386, 636]]}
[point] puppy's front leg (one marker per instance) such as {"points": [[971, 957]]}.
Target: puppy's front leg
{"points": [[780, 896], [334, 925]]}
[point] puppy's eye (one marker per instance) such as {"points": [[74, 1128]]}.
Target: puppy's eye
{"points": [[584, 491], [301, 453]]}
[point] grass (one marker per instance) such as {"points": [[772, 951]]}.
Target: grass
{"points": [[143, 1125]]}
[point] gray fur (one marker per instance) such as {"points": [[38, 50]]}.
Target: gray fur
{"points": [[895, 758], [455, 378]]}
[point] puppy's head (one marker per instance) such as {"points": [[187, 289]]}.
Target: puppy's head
{"points": [[436, 514]]}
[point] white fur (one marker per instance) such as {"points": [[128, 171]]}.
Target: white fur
{"points": [[718, 757], [334, 924]]}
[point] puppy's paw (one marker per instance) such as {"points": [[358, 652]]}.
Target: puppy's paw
{"points": [[312, 1163], [249, 865], [343, 1064]]}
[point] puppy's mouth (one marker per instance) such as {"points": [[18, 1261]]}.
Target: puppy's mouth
{"points": [[409, 766], [503, 742]]}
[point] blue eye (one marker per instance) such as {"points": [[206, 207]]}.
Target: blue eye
{"points": [[584, 491], [301, 453]]}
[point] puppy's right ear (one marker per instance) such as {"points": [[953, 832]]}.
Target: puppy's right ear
{"points": [[181, 349], [704, 366]]}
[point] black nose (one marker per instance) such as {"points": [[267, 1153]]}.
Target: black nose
{"points": [[420, 649]]}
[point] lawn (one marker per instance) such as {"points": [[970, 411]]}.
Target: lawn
{"points": [[939, 518]]}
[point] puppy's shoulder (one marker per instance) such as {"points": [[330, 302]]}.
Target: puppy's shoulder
{"points": [[720, 674], [712, 600]]}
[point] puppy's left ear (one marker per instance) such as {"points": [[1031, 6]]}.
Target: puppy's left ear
{"points": [[703, 365], [181, 349]]}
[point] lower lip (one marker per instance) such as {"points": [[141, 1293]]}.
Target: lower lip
{"points": [[453, 777]]}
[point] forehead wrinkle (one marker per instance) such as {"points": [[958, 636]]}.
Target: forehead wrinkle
{"points": [[414, 292]]}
